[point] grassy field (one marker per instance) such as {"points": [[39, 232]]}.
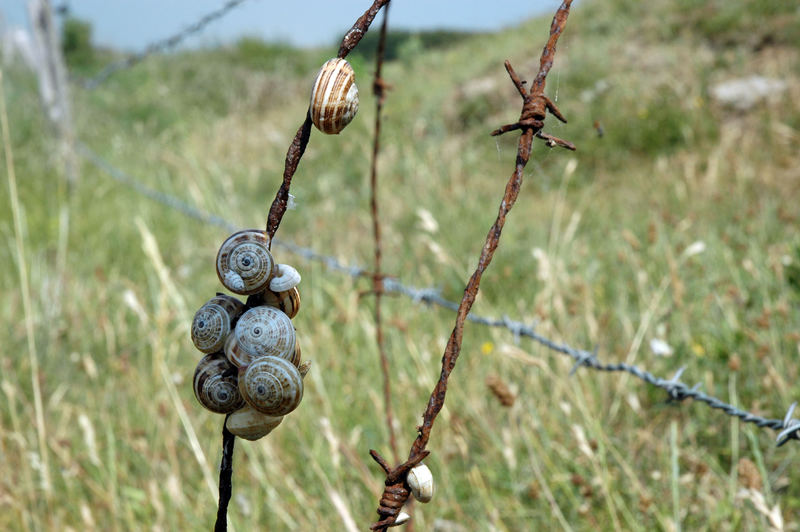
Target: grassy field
{"points": [[100, 284]]}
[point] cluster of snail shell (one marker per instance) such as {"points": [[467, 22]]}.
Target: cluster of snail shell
{"points": [[252, 368]]}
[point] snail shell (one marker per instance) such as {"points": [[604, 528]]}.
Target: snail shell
{"points": [[420, 480], [215, 385], [288, 301], [334, 97], [271, 385], [286, 278], [212, 323], [251, 424], [265, 331], [244, 263]]}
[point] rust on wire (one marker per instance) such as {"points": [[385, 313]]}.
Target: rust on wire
{"points": [[379, 89], [531, 121], [300, 141]]}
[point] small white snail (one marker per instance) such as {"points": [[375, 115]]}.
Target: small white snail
{"points": [[288, 301], [212, 323], [251, 424], [271, 385], [286, 278], [334, 96], [215, 384], [244, 264], [420, 480]]}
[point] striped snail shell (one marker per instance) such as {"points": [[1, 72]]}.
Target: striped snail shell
{"points": [[420, 480], [212, 323], [286, 278], [271, 385], [264, 331], [287, 301], [251, 424], [244, 263], [215, 385], [334, 97]]}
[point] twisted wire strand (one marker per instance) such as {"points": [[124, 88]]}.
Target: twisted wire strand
{"points": [[159, 46], [678, 391]]}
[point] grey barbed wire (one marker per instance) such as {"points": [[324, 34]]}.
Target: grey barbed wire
{"points": [[677, 391], [159, 46]]}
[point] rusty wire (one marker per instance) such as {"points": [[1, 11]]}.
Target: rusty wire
{"points": [[379, 89], [534, 107], [300, 141]]}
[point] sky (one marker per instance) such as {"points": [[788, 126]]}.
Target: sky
{"points": [[131, 24]]}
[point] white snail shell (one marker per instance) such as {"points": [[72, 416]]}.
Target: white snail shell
{"points": [[401, 519], [271, 385], [244, 263], [420, 480], [251, 424], [265, 331], [286, 278], [212, 323], [334, 97], [215, 384], [288, 301]]}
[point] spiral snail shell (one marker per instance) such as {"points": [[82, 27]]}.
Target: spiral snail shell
{"points": [[215, 384], [265, 331], [244, 264], [334, 96], [287, 301], [420, 480], [271, 385], [212, 323], [251, 424]]}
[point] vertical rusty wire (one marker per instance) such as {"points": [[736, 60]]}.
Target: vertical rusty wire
{"points": [[379, 89], [225, 478], [534, 108], [300, 141]]}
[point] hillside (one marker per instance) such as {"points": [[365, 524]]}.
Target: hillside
{"points": [[678, 224]]}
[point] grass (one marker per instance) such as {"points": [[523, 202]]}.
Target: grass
{"points": [[594, 252]]}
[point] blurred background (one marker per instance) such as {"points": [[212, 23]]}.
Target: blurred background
{"points": [[138, 138]]}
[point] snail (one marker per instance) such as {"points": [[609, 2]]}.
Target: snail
{"points": [[244, 264], [420, 480], [263, 331], [215, 385], [334, 96], [251, 424], [212, 323], [286, 279], [288, 301], [271, 385]]}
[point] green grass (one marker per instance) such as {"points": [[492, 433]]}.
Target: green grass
{"points": [[593, 252]]}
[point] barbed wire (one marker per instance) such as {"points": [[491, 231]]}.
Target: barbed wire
{"points": [[676, 390], [159, 46]]}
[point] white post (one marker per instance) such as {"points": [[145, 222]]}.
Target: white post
{"points": [[52, 75]]}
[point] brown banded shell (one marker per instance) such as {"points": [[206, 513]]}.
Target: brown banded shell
{"points": [[251, 424], [296, 354], [271, 385], [244, 263], [215, 384], [287, 301], [334, 96], [265, 331], [212, 323]]}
